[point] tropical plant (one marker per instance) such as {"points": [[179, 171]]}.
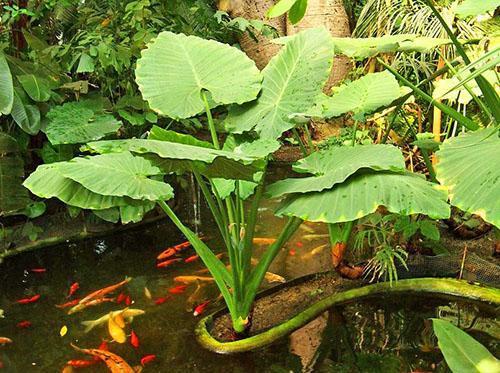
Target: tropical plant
{"points": [[462, 352]]}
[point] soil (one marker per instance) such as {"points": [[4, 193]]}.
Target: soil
{"points": [[275, 307]]}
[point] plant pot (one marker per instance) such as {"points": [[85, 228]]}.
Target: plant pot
{"points": [[348, 293]]}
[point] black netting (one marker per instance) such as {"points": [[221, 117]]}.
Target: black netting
{"points": [[474, 269]]}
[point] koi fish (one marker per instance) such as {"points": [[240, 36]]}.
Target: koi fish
{"points": [[182, 246], [195, 296], [299, 244], [273, 277], [191, 259], [166, 254], [147, 293], [5, 340], [102, 292], [71, 303], [120, 298], [72, 289], [147, 359], [81, 306], [24, 324], [168, 262], [114, 362], [128, 300], [162, 300], [177, 289], [314, 251], [116, 330], [127, 313], [134, 340], [33, 299], [263, 241], [38, 270], [192, 279], [200, 308], [292, 252], [81, 363]]}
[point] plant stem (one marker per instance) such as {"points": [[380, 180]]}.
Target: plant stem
{"points": [[309, 138], [210, 119], [299, 140]]}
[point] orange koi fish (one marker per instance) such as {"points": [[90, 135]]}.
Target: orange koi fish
{"points": [[114, 362], [166, 254], [72, 289], [168, 262], [162, 300], [147, 359], [182, 246], [38, 270], [192, 279], [102, 292], [177, 289], [81, 363], [200, 308], [71, 303], [134, 340], [191, 259], [81, 306], [5, 340], [33, 299], [263, 241], [24, 324]]}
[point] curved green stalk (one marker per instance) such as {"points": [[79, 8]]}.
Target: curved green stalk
{"points": [[444, 287]]}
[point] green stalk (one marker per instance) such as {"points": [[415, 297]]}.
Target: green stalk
{"points": [[463, 120], [213, 207], [301, 145], [260, 270], [340, 233], [391, 123], [309, 138], [489, 92], [429, 165], [211, 124], [354, 130]]}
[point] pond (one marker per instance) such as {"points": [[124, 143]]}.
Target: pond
{"points": [[390, 335]]}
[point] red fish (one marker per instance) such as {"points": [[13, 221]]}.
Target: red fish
{"points": [[134, 340], [200, 308], [24, 324], [33, 299], [166, 263], [299, 244], [72, 289], [147, 359], [82, 363], [292, 252], [182, 246], [121, 298], [191, 259], [38, 270], [103, 347], [177, 289], [167, 253], [128, 300], [162, 300], [71, 303], [102, 292]]}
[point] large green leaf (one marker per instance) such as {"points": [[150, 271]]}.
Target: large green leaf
{"points": [[47, 182], [74, 123], [6, 86], [361, 48], [130, 213], [26, 116], [13, 196], [292, 81], [362, 193], [35, 87], [462, 352], [361, 97], [176, 68], [335, 165], [476, 7], [118, 174], [468, 167]]}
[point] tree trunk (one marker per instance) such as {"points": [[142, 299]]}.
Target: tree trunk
{"points": [[262, 49]]}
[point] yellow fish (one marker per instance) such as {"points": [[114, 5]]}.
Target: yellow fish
{"points": [[126, 314], [115, 331]]}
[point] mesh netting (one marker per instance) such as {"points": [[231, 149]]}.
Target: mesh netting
{"points": [[474, 269]]}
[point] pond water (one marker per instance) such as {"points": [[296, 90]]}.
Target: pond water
{"points": [[382, 335]]}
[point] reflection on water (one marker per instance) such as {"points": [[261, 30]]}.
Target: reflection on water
{"points": [[366, 337]]}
